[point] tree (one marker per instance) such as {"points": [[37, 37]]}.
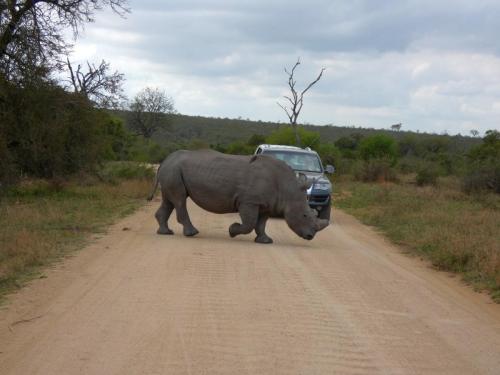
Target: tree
{"points": [[148, 109], [287, 136], [32, 31], [396, 127], [296, 99], [474, 132], [379, 146], [98, 84]]}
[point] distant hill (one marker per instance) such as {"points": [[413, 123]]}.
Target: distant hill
{"points": [[184, 129]]}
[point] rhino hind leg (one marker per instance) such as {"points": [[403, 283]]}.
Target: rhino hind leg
{"points": [[260, 229], [183, 218], [162, 216], [248, 214]]}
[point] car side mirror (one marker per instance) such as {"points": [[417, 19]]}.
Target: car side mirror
{"points": [[330, 169]]}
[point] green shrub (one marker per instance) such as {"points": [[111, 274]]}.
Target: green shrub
{"points": [[240, 148], [375, 170], [114, 171], [148, 151], [286, 136], [256, 139], [50, 132], [329, 153], [427, 175], [483, 169], [379, 146], [409, 164]]}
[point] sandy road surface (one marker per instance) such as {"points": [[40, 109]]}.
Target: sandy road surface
{"points": [[345, 303]]}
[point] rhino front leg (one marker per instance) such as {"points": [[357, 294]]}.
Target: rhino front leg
{"points": [[260, 229], [183, 218], [162, 216], [248, 214]]}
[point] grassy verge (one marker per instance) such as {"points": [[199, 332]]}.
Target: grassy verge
{"points": [[41, 222], [456, 232]]}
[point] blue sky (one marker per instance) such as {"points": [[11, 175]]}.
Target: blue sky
{"points": [[432, 65]]}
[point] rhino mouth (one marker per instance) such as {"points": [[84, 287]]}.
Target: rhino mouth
{"points": [[307, 236]]}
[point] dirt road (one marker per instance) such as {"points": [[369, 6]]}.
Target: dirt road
{"points": [[345, 303]]}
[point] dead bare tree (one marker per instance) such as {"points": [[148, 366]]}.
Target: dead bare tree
{"points": [[98, 84], [32, 31], [296, 99]]}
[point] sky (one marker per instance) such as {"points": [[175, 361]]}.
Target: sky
{"points": [[432, 65]]}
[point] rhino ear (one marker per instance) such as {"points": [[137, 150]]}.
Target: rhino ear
{"points": [[303, 182]]}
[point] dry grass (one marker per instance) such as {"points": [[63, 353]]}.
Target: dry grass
{"points": [[455, 231], [41, 222]]}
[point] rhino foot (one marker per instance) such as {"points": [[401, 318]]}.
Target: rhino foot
{"points": [[233, 229], [263, 239], [165, 231], [190, 232]]}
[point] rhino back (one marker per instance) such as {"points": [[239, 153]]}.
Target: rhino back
{"points": [[220, 183]]}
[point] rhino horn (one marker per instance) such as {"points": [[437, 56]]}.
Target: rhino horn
{"points": [[321, 224]]}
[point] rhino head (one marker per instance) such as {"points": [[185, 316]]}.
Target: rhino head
{"points": [[299, 216]]}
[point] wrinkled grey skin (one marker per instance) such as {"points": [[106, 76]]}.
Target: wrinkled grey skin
{"points": [[255, 186]]}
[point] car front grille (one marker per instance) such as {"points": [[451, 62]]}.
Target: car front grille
{"points": [[318, 198]]}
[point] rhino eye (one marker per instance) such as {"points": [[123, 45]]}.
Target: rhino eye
{"points": [[305, 215]]}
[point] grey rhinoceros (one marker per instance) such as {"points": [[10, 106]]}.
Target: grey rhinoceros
{"points": [[256, 187]]}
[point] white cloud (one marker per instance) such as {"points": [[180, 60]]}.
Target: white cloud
{"points": [[434, 67]]}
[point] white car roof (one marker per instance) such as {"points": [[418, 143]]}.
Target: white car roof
{"points": [[286, 148]]}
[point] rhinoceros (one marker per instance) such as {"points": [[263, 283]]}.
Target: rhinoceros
{"points": [[256, 187]]}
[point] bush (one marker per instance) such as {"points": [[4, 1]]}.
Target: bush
{"points": [[482, 177], [286, 136], [375, 170], [379, 146], [427, 175], [329, 154], [239, 148], [112, 172], [147, 151], [409, 164], [49, 132], [483, 170]]}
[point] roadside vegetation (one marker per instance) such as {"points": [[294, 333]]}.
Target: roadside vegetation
{"points": [[456, 231], [54, 131], [42, 220]]}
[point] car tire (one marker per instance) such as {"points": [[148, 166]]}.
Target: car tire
{"points": [[325, 212]]}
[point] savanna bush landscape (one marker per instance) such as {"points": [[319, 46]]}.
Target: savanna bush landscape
{"points": [[74, 155]]}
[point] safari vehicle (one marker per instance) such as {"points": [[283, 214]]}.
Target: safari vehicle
{"points": [[308, 162]]}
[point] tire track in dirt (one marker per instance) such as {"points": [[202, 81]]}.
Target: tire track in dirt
{"points": [[347, 302]]}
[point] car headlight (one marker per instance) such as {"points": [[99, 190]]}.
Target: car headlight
{"points": [[323, 185]]}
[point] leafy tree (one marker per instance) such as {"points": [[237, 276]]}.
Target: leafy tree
{"points": [[379, 146], [256, 139], [286, 136], [148, 110], [329, 153], [348, 145], [483, 171], [409, 145], [240, 148], [49, 131]]}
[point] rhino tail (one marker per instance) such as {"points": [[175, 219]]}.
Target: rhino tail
{"points": [[157, 180]]}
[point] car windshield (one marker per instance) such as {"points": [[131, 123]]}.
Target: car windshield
{"points": [[298, 161]]}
